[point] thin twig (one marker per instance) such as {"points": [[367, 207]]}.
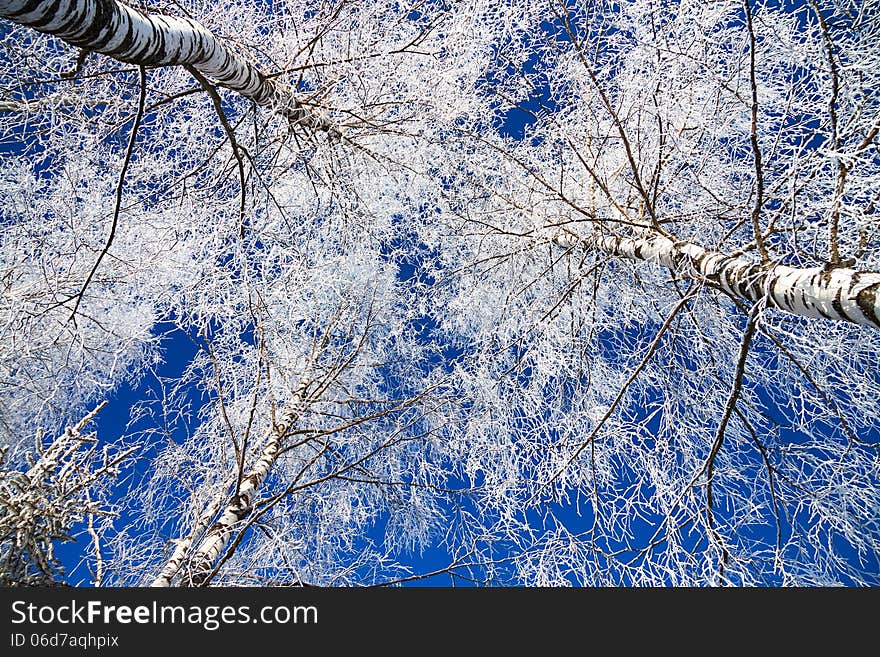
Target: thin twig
{"points": [[230, 134], [756, 148], [119, 185], [735, 390]]}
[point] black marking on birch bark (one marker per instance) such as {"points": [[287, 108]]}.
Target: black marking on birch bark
{"points": [[156, 45], [799, 298], [762, 275], [867, 299], [730, 278], [107, 35], [71, 20], [739, 282], [51, 10], [714, 278], [678, 258], [821, 279], [240, 506], [749, 283], [128, 41], [716, 274], [758, 284], [788, 300], [35, 21], [774, 281], [802, 293], [89, 35], [837, 305], [29, 7]]}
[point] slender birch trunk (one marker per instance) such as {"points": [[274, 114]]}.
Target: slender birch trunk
{"points": [[182, 546], [837, 293], [128, 35], [202, 561]]}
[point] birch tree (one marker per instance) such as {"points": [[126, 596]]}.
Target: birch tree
{"points": [[670, 276], [66, 484]]}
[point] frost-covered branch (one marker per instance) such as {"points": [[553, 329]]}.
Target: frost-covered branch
{"points": [[43, 504]]}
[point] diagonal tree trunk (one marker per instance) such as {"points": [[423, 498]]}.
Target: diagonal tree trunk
{"points": [[128, 35], [837, 293]]}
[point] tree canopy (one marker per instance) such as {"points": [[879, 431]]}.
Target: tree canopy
{"points": [[566, 292]]}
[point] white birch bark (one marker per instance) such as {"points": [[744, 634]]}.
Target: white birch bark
{"points": [[837, 293], [128, 35], [215, 540], [182, 546], [217, 537]]}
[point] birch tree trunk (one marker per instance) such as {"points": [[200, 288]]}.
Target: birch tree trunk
{"points": [[211, 547], [182, 546], [837, 293], [128, 35], [204, 557]]}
